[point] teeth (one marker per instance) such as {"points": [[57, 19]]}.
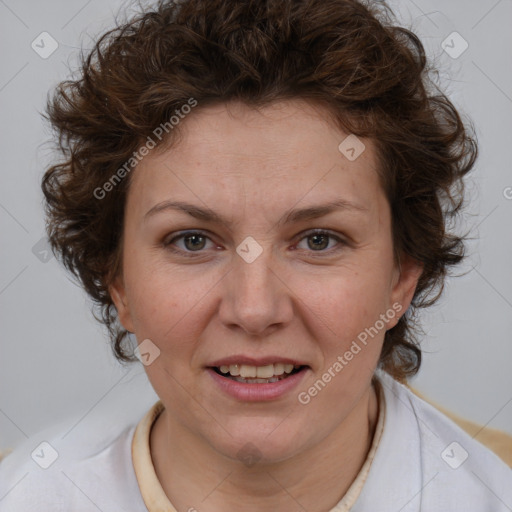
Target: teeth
{"points": [[265, 372], [278, 369], [246, 373], [256, 381]]}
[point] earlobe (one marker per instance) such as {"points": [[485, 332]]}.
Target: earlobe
{"points": [[118, 294]]}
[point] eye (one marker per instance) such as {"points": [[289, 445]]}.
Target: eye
{"points": [[193, 241], [318, 240], [189, 242]]}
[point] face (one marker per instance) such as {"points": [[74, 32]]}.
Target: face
{"points": [[252, 245]]}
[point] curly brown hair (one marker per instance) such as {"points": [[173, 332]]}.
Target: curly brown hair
{"points": [[371, 76]]}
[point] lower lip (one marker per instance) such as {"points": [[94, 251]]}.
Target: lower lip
{"points": [[257, 392]]}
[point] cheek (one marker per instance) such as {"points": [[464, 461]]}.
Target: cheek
{"points": [[348, 299], [343, 316], [166, 303]]}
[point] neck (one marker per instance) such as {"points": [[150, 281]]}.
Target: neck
{"points": [[315, 479]]}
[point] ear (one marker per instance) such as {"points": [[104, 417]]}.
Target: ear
{"points": [[407, 274], [118, 294]]}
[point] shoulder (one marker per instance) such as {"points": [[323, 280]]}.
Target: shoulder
{"points": [[435, 423], [497, 441], [80, 471], [447, 467]]}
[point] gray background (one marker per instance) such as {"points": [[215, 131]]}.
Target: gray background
{"points": [[56, 366]]}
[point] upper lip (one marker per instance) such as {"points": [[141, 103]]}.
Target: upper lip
{"points": [[255, 361]]}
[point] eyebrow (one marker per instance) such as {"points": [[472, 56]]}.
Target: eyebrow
{"points": [[295, 215]]}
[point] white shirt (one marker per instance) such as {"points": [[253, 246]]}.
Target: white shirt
{"points": [[419, 461]]}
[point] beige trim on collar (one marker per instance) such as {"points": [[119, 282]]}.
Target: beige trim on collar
{"points": [[152, 493], [353, 492], [157, 501]]}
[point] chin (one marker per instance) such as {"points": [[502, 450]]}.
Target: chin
{"points": [[267, 443]]}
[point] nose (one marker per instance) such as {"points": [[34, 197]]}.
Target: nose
{"points": [[256, 298]]}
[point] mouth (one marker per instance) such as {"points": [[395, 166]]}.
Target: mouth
{"points": [[267, 374]]}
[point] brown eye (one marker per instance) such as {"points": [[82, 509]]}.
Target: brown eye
{"points": [[318, 241], [188, 243], [322, 242], [194, 242]]}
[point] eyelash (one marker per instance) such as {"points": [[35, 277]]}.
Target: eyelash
{"points": [[191, 254]]}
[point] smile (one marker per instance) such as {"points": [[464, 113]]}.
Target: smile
{"points": [[257, 382], [249, 374]]}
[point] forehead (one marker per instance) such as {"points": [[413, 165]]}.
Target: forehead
{"points": [[281, 153], [294, 131]]}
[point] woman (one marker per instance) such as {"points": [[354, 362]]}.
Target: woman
{"points": [[259, 192]]}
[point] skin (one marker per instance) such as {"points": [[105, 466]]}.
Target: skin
{"points": [[294, 301]]}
